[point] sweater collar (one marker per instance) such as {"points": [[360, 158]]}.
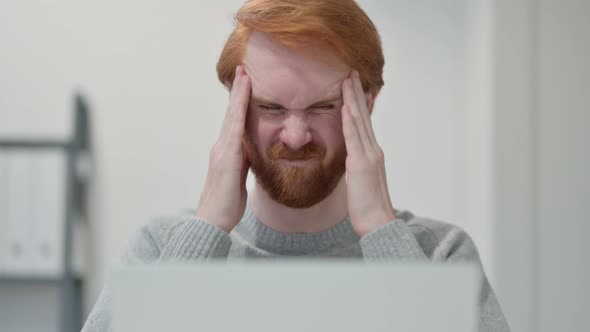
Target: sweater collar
{"points": [[263, 237]]}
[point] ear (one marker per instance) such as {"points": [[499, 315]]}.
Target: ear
{"points": [[371, 96]]}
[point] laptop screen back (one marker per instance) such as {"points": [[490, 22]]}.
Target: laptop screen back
{"points": [[296, 296]]}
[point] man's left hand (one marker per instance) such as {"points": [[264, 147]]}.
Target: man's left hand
{"points": [[369, 205]]}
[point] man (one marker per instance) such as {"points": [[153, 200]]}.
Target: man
{"points": [[303, 77]]}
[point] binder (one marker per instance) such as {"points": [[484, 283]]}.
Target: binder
{"points": [[34, 214], [47, 236], [22, 200], [3, 207]]}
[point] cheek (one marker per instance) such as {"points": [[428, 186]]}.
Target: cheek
{"points": [[260, 132], [331, 122], [251, 122], [253, 126], [329, 133], [329, 125]]}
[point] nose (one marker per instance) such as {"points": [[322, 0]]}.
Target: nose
{"points": [[295, 132]]}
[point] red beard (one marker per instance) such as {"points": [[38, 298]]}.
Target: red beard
{"points": [[297, 186]]}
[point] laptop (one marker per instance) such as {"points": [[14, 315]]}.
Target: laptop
{"points": [[291, 296]]}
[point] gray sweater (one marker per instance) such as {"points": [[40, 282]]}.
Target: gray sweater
{"points": [[184, 238]]}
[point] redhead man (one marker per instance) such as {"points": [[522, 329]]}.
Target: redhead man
{"points": [[303, 77]]}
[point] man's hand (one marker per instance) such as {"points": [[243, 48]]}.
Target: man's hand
{"points": [[223, 199], [369, 205]]}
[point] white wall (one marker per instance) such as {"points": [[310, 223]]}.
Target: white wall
{"points": [[563, 163], [542, 130], [149, 70], [513, 161], [433, 115]]}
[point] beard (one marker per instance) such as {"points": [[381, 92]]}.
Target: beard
{"points": [[296, 186]]}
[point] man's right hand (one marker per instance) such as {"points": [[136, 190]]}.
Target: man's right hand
{"points": [[223, 199]]}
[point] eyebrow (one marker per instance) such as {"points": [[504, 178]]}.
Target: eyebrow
{"points": [[266, 102]]}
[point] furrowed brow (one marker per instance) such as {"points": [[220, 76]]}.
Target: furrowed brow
{"points": [[266, 102], [326, 101]]}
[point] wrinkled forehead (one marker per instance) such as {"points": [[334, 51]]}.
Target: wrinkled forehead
{"points": [[293, 78]]}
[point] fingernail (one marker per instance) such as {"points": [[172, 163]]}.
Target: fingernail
{"points": [[237, 70]]}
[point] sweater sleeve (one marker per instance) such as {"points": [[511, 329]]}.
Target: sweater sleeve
{"points": [[196, 239], [392, 241], [188, 240], [396, 241]]}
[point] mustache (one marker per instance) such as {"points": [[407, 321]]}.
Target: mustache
{"points": [[309, 150]]}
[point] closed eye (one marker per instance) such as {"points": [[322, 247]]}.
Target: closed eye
{"points": [[271, 108], [280, 109], [323, 109]]}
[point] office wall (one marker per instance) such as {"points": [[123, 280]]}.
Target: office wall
{"points": [[542, 129], [563, 159], [148, 70], [513, 161]]}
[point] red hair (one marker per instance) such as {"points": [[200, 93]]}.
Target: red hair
{"points": [[340, 25]]}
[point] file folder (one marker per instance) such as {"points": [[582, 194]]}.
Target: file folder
{"points": [[3, 207], [48, 229], [33, 225], [22, 200]]}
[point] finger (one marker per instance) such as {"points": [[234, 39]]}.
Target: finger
{"points": [[234, 123], [349, 130], [238, 116], [232, 100], [234, 89], [363, 108], [349, 98]]}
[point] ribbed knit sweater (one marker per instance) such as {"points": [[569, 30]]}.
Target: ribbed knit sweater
{"points": [[185, 238]]}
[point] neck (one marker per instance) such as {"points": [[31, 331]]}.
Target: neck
{"points": [[320, 217]]}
